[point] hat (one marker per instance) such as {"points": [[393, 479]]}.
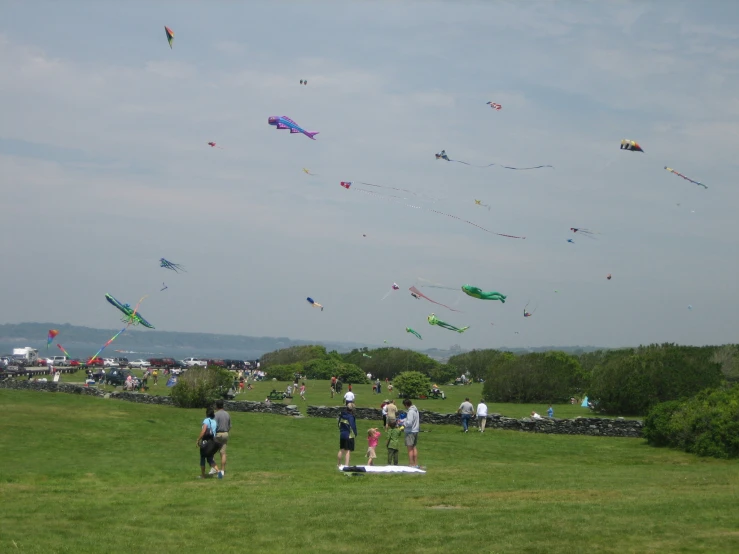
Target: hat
{"points": [[386, 400]]}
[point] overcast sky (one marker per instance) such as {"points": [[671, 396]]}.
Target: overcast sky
{"points": [[104, 168]]}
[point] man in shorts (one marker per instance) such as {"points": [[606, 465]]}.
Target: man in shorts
{"points": [[412, 428], [224, 426]]}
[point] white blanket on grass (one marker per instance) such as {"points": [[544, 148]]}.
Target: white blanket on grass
{"points": [[387, 469]]}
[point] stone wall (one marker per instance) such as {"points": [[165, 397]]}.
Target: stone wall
{"points": [[230, 405], [598, 426]]}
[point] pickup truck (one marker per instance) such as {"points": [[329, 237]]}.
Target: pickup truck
{"points": [[192, 362]]}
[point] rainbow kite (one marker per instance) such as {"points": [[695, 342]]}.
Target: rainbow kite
{"points": [[170, 35], [52, 333]]}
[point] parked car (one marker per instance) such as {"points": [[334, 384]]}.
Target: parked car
{"points": [[191, 362], [117, 376], [162, 363], [60, 361], [141, 364], [122, 362], [75, 362], [110, 362], [97, 362]]}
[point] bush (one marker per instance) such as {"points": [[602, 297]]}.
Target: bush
{"points": [[632, 381], [284, 372], [551, 377], [412, 384], [706, 425], [200, 387], [293, 354]]}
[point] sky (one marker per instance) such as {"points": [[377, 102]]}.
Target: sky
{"points": [[105, 168]]}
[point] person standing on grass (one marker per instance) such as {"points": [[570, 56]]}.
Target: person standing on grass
{"points": [[412, 428], [207, 444], [392, 413], [466, 409], [482, 415], [373, 437], [550, 412], [347, 432], [302, 391], [349, 397], [223, 419], [155, 375], [393, 443]]}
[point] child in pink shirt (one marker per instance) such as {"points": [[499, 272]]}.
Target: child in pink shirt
{"points": [[373, 436]]}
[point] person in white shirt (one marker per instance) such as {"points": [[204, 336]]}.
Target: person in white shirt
{"points": [[482, 415], [349, 398], [534, 415]]}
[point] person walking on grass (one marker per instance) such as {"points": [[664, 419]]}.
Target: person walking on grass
{"points": [[392, 413], [393, 443], [302, 391], [349, 397], [223, 420], [412, 428], [466, 409], [347, 432], [207, 444], [482, 415]]}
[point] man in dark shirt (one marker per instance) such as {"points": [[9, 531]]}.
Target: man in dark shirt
{"points": [[224, 426]]}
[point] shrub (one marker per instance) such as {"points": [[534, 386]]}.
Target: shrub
{"points": [[199, 387], [632, 381], [412, 384], [284, 372], [293, 354], [706, 425], [539, 377]]}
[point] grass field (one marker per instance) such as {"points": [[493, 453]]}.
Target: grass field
{"points": [[317, 394], [83, 474]]}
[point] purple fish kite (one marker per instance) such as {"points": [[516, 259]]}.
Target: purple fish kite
{"points": [[284, 122]]}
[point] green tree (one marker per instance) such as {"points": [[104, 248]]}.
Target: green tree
{"points": [[294, 354], [478, 363], [388, 362], [538, 377], [411, 384], [630, 382], [200, 387], [285, 372]]}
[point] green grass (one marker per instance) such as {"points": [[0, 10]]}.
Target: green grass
{"points": [[318, 394], [83, 474]]}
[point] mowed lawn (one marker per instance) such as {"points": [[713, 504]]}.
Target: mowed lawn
{"points": [[318, 394], [82, 474]]}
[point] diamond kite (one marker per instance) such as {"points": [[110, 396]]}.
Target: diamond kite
{"points": [[170, 36]]}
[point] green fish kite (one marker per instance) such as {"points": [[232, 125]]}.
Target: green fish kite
{"points": [[475, 292], [433, 320]]}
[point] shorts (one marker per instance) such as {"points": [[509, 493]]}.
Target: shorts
{"points": [[391, 420], [371, 453], [346, 444], [411, 439], [222, 438]]}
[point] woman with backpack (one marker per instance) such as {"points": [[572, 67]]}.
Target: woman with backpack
{"points": [[208, 445]]}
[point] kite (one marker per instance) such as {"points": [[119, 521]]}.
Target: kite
{"points": [[314, 303], [170, 35], [527, 314], [409, 330], [631, 145], [684, 177], [131, 315], [309, 173], [164, 287], [169, 265], [366, 355], [571, 241], [443, 156], [213, 145], [60, 347], [303, 81], [347, 185], [494, 106], [414, 295], [608, 276], [479, 203], [52, 333], [690, 306], [418, 294], [284, 122], [585, 232], [132, 318], [475, 292], [433, 320], [392, 288]]}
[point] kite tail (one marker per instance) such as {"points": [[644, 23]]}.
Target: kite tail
{"points": [[107, 343], [463, 329]]}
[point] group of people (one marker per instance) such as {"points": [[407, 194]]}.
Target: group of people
{"points": [[213, 438], [409, 430], [467, 410]]}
